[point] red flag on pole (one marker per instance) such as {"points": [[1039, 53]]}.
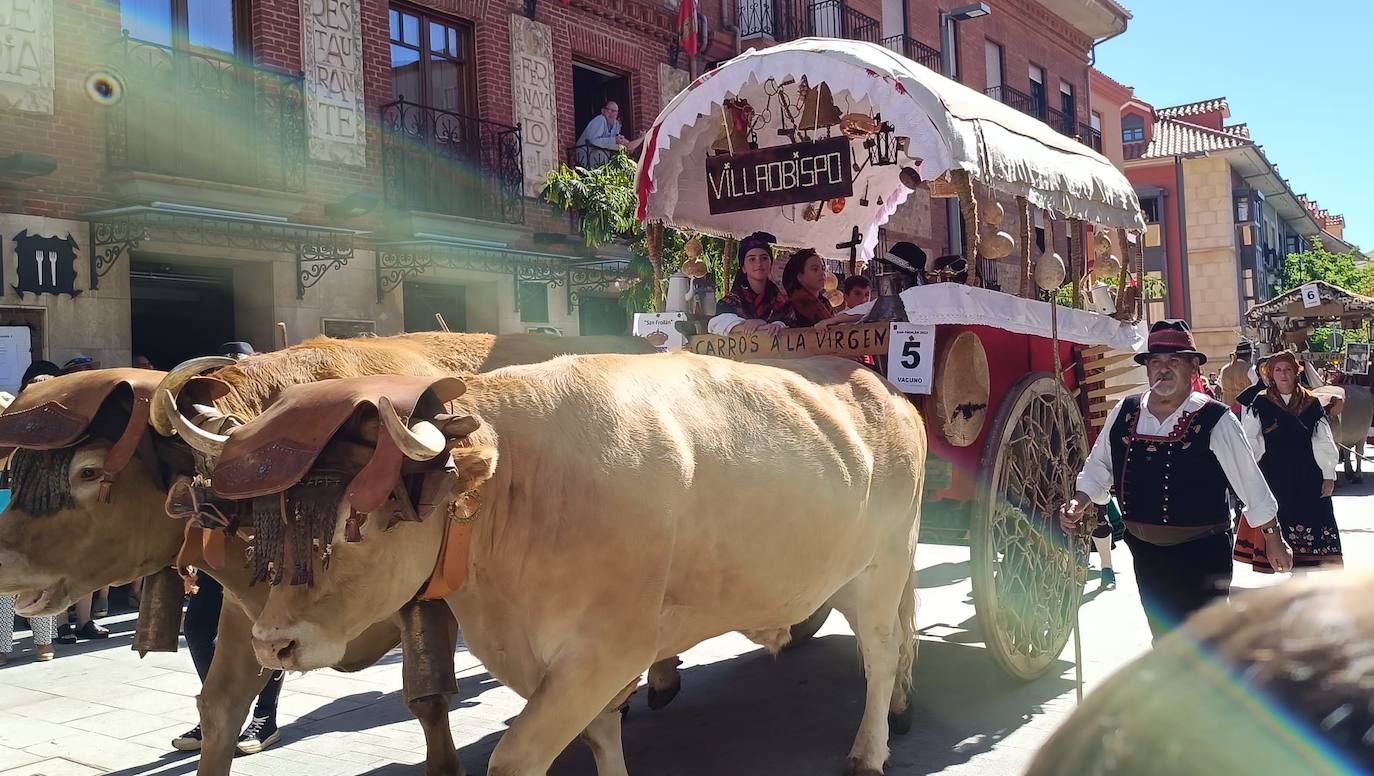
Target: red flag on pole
{"points": [[687, 26]]}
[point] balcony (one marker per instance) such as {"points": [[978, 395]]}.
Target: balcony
{"points": [[1013, 97], [438, 161], [915, 50], [1063, 123], [784, 20], [1091, 137], [1134, 150], [209, 118]]}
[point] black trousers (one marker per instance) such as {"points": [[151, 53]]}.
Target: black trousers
{"points": [[202, 629], [1179, 580]]}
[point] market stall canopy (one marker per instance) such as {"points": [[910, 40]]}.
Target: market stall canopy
{"points": [[782, 115], [954, 303], [1336, 303]]}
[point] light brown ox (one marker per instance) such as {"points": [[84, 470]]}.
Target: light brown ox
{"points": [[91, 544], [629, 509]]}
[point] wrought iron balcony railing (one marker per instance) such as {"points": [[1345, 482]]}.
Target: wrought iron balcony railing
{"points": [[784, 20], [196, 115], [1013, 97], [1090, 137], [1063, 123], [443, 162], [914, 50]]}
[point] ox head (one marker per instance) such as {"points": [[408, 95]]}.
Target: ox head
{"points": [[87, 488], [354, 485]]}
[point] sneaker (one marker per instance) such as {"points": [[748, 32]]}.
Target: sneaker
{"points": [[261, 733], [92, 630], [188, 741], [1108, 578]]}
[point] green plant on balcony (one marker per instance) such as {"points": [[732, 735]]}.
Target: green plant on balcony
{"points": [[604, 199]]}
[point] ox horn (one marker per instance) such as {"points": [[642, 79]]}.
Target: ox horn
{"points": [[202, 441], [421, 442], [161, 419]]}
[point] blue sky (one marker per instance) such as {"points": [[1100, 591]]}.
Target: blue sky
{"points": [[1291, 74]]}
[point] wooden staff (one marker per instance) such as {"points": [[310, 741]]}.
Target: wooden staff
{"points": [[1124, 275], [1078, 259], [1140, 275], [968, 212], [655, 235], [439, 319]]}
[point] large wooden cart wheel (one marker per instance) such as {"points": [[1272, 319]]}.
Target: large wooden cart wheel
{"points": [[1027, 578]]}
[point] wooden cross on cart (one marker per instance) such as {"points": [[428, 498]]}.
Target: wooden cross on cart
{"points": [[856, 239]]}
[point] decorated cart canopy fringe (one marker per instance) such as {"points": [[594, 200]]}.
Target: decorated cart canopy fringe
{"points": [[947, 126]]}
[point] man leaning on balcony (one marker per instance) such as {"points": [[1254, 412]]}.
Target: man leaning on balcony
{"points": [[601, 138]]}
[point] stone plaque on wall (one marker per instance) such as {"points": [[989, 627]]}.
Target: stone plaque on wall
{"points": [[26, 56], [532, 84], [332, 58], [671, 81]]}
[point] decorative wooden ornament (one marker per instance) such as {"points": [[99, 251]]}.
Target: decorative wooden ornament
{"points": [[1049, 271], [995, 214], [998, 246], [696, 268], [1102, 245], [1106, 266], [959, 396]]}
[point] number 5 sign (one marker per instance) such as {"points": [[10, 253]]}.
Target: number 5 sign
{"points": [[911, 357]]}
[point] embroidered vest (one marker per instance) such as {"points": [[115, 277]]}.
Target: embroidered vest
{"points": [[1173, 479], [1288, 464]]}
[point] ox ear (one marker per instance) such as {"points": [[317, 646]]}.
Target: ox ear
{"points": [[472, 467]]}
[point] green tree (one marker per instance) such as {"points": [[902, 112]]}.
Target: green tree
{"points": [[603, 198], [1339, 269], [1343, 270]]}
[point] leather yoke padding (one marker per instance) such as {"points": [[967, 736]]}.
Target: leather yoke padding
{"points": [[275, 450]]}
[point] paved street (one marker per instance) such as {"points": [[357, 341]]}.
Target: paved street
{"points": [[99, 709]]}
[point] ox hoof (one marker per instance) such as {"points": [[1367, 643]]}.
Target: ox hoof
{"points": [[853, 767], [900, 722], [659, 699]]}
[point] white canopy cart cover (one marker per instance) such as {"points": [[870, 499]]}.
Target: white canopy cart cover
{"points": [[947, 126], [954, 303]]}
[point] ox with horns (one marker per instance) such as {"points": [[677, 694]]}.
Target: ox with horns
{"points": [[88, 506], [571, 515]]}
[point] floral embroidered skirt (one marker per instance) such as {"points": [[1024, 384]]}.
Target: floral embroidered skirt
{"points": [[1314, 537]]}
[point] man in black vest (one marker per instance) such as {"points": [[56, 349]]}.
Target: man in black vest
{"points": [[1168, 455]]}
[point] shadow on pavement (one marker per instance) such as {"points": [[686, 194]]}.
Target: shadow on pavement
{"points": [[942, 574], [797, 715]]}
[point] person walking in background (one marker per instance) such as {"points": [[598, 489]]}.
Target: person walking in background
{"points": [[1169, 455], [1237, 375], [1291, 438], [201, 629], [44, 628]]}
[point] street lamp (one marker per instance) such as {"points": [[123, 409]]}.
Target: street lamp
{"points": [[949, 67]]}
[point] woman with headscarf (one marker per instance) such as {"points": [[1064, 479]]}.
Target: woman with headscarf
{"points": [[754, 301], [1291, 438], [804, 280]]}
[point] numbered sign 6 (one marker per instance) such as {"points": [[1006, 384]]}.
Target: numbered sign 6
{"points": [[910, 357], [1311, 297]]}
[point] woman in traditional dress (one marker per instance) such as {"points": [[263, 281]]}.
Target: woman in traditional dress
{"points": [[804, 280], [754, 301], [1291, 438]]}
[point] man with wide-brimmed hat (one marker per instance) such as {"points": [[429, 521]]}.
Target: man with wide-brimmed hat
{"points": [[1168, 455], [1239, 374]]}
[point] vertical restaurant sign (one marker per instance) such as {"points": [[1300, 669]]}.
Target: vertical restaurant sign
{"points": [[332, 58], [533, 88], [27, 73], [779, 175]]}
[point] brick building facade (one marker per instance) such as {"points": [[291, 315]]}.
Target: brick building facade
{"points": [[348, 166]]}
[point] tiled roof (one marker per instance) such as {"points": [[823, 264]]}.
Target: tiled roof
{"points": [[1175, 138], [1239, 130], [1194, 108]]}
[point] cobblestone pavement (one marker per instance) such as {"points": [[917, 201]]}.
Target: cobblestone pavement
{"points": [[99, 709]]}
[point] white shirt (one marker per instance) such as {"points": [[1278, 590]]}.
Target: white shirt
{"points": [[1323, 443], [1227, 444]]}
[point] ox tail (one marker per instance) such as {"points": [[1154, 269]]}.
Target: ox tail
{"points": [[900, 712]]}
